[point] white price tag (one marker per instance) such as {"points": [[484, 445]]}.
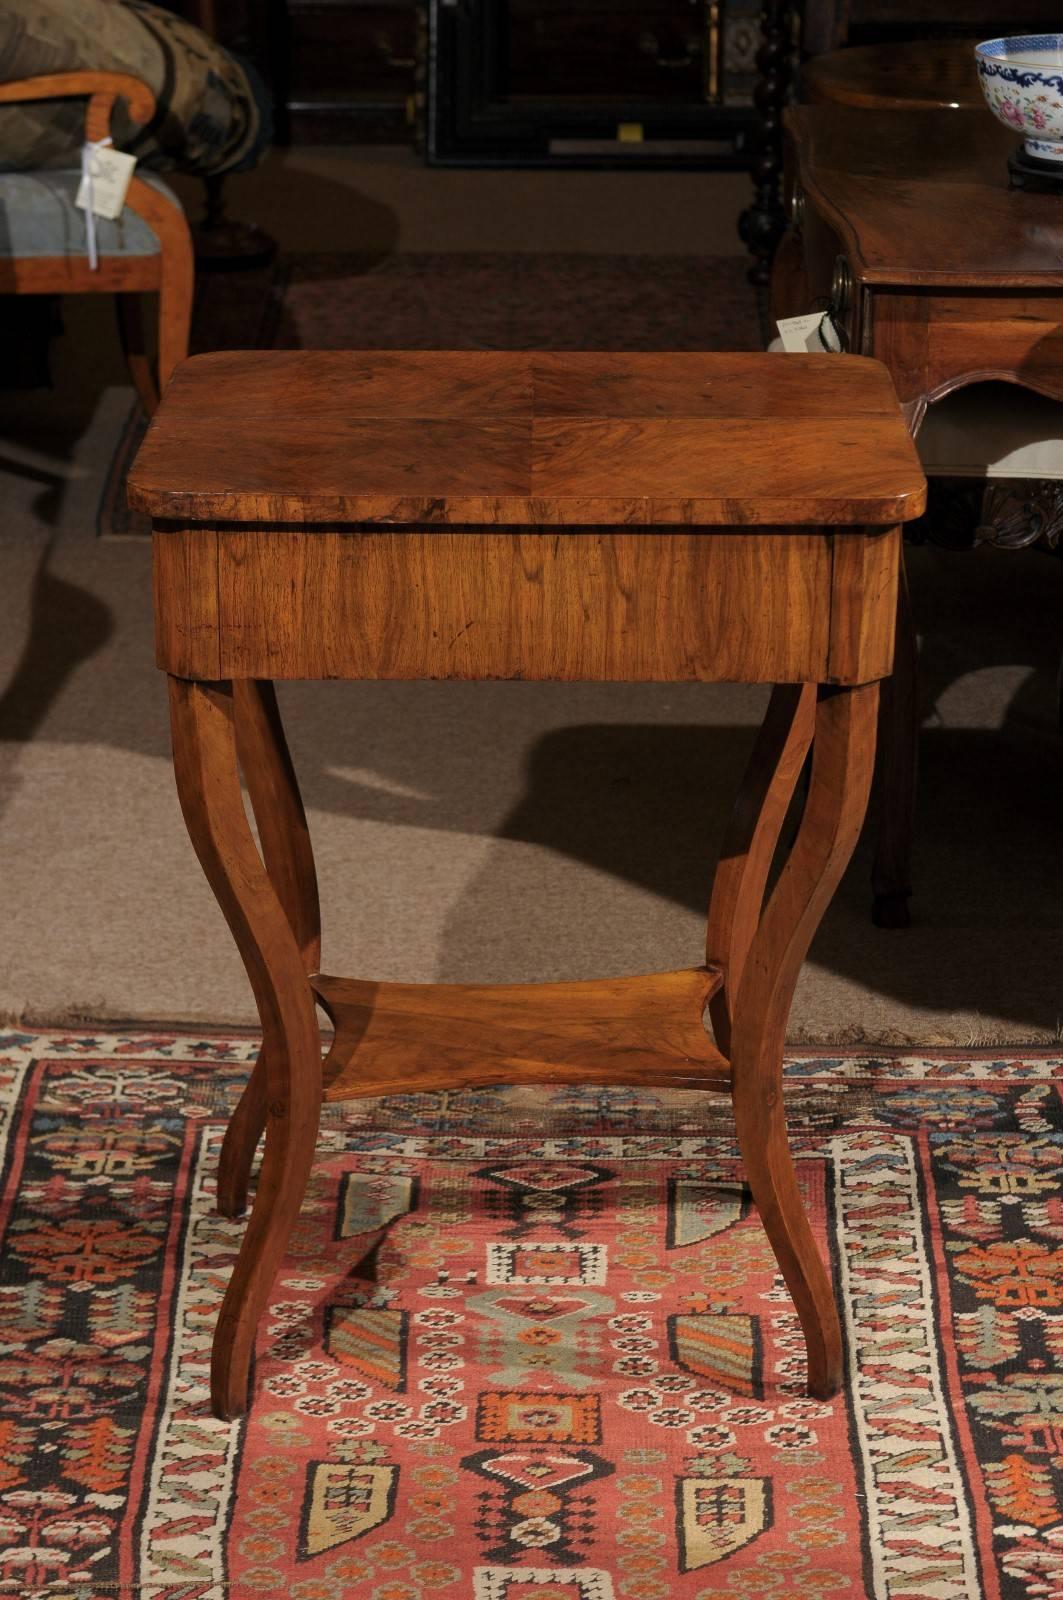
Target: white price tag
{"points": [[801, 334], [105, 176]]}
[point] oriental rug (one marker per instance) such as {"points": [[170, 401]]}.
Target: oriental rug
{"points": [[531, 1345]]}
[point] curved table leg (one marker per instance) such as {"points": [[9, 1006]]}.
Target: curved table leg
{"points": [[246, 1127], [842, 764], [891, 874], [752, 836], [208, 784], [289, 857]]}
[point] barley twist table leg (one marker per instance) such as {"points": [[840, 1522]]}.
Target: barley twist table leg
{"points": [[289, 857], [204, 748], [842, 763], [762, 224]]}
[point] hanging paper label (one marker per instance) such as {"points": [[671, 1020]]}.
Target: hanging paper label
{"points": [[105, 175], [801, 334]]}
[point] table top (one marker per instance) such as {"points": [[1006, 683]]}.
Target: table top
{"points": [[922, 198], [918, 74], [513, 439]]}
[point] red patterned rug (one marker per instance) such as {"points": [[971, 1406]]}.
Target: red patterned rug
{"points": [[531, 1345]]}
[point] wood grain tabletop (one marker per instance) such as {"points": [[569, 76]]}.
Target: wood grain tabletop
{"points": [[515, 439], [922, 198]]}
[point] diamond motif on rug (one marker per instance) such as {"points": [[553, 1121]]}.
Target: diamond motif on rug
{"points": [[611, 1406], [539, 1418], [537, 1502], [561, 1195], [546, 1261]]}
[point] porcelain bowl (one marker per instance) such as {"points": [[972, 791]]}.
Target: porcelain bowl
{"points": [[1022, 80]]}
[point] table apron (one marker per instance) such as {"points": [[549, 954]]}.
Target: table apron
{"points": [[935, 342], [771, 606]]}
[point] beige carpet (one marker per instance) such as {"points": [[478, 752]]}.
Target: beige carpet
{"points": [[317, 198], [488, 832]]}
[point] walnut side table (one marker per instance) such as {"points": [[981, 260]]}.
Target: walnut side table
{"points": [[623, 518], [904, 222]]}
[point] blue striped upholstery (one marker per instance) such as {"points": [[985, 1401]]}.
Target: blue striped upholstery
{"points": [[38, 217]]}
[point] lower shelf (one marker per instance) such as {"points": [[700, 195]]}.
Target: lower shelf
{"points": [[396, 1038]]}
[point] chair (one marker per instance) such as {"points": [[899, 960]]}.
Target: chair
{"points": [[147, 250]]}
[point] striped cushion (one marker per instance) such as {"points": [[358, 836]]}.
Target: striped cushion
{"points": [[38, 217]]}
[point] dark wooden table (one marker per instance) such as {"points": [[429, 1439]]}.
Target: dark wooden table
{"points": [[817, 26], [904, 222], [918, 75], [622, 518]]}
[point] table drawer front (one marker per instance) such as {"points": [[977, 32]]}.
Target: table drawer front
{"points": [[593, 606], [932, 342]]}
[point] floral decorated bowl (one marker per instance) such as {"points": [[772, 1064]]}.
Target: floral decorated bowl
{"points": [[1022, 80]]}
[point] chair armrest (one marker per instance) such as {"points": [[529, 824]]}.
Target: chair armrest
{"points": [[101, 89]]}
